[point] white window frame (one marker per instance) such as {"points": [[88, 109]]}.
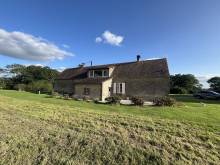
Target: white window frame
{"points": [[118, 88], [91, 73]]}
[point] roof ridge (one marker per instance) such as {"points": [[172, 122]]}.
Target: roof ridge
{"points": [[121, 63]]}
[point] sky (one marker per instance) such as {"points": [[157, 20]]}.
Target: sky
{"points": [[65, 33]]}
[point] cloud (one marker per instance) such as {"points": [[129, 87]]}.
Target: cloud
{"points": [[110, 38], [25, 46], [60, 69], [41, 65], [98, 39], [204, 78]]}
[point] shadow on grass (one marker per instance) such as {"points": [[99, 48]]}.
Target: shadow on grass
{"points": [[191, 99]]}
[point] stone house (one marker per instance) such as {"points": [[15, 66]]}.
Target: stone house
{"points": [[147, 79]]}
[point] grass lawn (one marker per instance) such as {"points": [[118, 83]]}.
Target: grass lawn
{"points": [[35, 129]]}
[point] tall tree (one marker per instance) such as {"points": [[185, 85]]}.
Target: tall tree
{"points": [[184, 83], [214, 83]]}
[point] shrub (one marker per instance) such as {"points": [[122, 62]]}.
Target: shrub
{"points": [[43, 86], [164, 101], [178, 90], [20, 87], [55, 94], [137, 100], [66, 97], [113, 99]]}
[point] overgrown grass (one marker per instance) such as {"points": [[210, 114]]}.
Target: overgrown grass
{"points": [[35, 129]]}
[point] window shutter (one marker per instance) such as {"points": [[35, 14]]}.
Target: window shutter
{"points": [[123, 88], [114, 88]]}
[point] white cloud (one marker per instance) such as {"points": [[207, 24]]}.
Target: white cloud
{"points": [[41, 65], [25, 46], [204, 78], [60, 69], [110, 38], [98, 39]]}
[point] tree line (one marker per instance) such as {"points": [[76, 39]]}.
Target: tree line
{"points": [[36, 78], [188, 84], [28, 78]]}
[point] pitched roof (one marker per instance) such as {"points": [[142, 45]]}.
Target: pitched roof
{"points": [[147, 68]]}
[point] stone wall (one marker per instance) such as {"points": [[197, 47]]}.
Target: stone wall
{"points": [[146, 88], [95, 90], [64, 86]]}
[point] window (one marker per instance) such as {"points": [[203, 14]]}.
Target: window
{"points": [[86, 91], [98, 73], [119, 88], [91, 73], [105, 73]]}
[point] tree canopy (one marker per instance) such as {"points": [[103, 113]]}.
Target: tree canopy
{"points": [[184, 83], [21, 76], [214, 83]]}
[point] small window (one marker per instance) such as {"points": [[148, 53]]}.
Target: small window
{"points": [[91, 73], [86, 91], [119, 88], [105, 73], [98, 73]]}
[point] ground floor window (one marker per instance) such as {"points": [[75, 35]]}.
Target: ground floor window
{"points": [[86, 91], [119, 88]]}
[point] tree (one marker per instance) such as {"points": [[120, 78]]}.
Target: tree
{"points": [[184, 83], [2, 83], [214, 83], [20, 74]]}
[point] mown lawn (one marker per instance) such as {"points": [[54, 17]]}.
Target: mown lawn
{"points": [[35, 129]]}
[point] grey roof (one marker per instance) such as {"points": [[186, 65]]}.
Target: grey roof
{"points": [[137, 69]]}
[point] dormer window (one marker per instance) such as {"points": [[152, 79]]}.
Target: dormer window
{"points": [[99, 73]]}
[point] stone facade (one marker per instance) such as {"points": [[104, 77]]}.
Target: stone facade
{"points": [[148, 79], [93, 93]]}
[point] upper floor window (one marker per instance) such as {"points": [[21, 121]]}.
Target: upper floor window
{"points": [[99, 73]]}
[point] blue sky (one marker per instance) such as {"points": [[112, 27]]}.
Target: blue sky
{"points": [[63, 33]]}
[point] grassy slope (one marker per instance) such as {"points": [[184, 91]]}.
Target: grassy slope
{"points": [[36, 129]]}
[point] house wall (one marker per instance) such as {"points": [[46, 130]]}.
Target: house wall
{"points": [[64, 86], [147, 88], [95, 90], [105, 89], [111, 69]]}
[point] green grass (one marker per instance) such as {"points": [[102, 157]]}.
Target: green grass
{"points": [[35, 129]]}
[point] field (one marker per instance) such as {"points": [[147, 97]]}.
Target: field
{"points": [[36, 129]]}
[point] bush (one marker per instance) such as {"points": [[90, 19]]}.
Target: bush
{"points": [[137, 100], [178, 90], [43, 86], [20, 87], [66, 97], [164, 101], [113, 99]]}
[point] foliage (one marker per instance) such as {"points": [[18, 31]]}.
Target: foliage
{"points": [[113, 99], [20, 74], [215, 83], [20, 87], [164, 101], [39, 130], [178, 90], [2, 83], [42, 85], [187, 82], [137, 100]]}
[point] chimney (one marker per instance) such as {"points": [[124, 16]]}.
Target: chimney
{"points": [[138, 58]]}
